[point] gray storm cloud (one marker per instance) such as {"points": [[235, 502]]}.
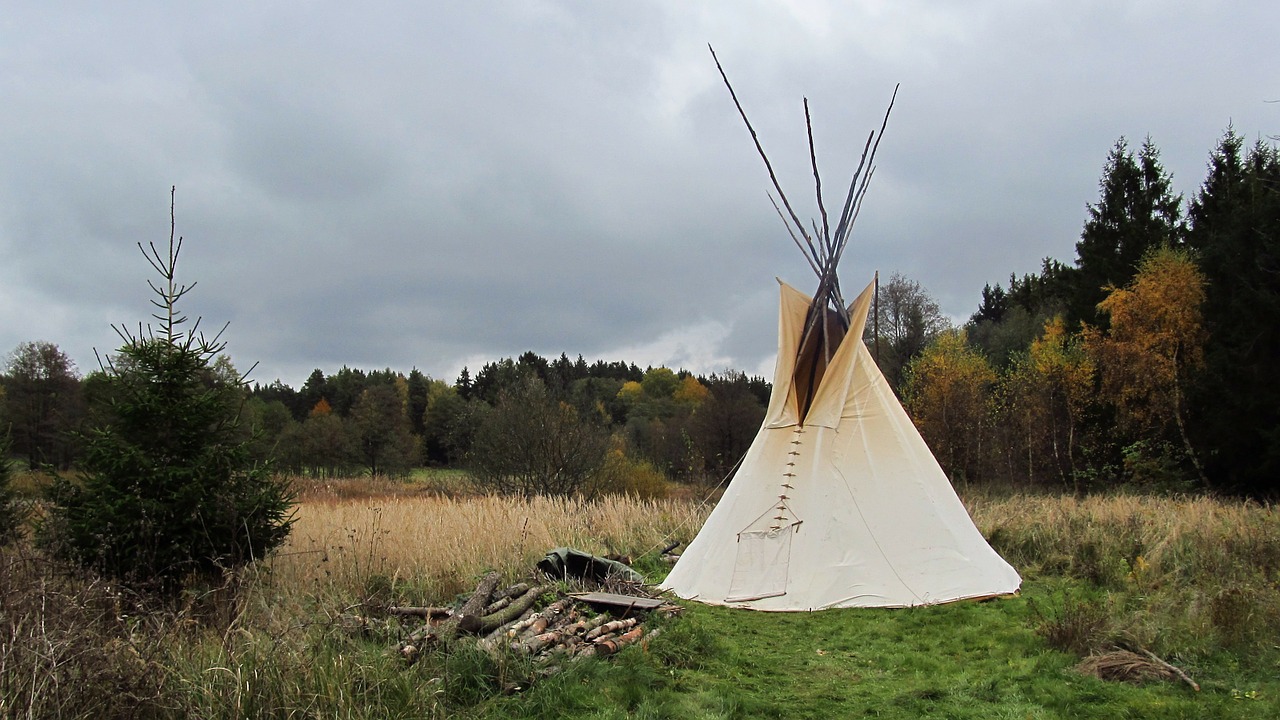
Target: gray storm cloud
{"points": [[403, 186]]}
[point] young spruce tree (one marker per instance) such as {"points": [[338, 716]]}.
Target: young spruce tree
{"points": [[170, 493]]}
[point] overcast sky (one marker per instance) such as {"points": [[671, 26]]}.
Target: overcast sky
{"points": [[396, 184]]}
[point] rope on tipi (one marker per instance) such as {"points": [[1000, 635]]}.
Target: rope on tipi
{"points": [[702, 505]]}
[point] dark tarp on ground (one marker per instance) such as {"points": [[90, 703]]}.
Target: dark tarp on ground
{"points": [[568, 562]]}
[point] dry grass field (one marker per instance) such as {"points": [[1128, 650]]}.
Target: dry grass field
{"points": [[435, 546], [1194, 579]]}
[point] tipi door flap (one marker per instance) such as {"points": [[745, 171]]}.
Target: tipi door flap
{"points": [[760, 569]]}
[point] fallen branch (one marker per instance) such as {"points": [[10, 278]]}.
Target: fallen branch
{"points": [[1171, 668], [422, 612]]}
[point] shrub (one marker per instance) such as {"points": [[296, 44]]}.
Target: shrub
{"points": [[1078, 625], [530, 444], [625, 475], [10, 511], [69, 651]]}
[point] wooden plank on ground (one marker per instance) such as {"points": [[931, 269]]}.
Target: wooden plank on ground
{"points": [[614, 600]]}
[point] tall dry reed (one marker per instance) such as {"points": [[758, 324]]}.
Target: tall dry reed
{"points": [[1188, 575], [1109, 538], [435, 546]]}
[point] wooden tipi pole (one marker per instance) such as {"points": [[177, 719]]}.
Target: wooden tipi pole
{"points": [[875, 317]]}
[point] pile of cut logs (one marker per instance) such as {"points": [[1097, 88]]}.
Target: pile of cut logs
{"points": [[538, 620]]}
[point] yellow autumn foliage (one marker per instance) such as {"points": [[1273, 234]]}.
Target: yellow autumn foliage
{"points": [[945, 393], [630, 392], [1044, 397], [691, 392], [1157, 335]]}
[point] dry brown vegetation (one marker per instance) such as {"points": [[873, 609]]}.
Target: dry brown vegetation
{"points": [[1119, 540], [1181, 575], [435, 545], [1189, 578]]}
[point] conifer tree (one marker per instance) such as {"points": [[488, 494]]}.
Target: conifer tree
{"points": [[1235, 232], [1137, 212], [380, 432], [419, 392], [170, 492]]}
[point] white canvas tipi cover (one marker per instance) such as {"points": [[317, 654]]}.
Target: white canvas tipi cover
{"points": [[848, 508]]}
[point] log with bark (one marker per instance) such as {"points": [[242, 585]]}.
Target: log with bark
{"points": [[513, 610], [609, 647], [514, 620], [497, 605], [610, 627], [468, 616], [430, 613]]}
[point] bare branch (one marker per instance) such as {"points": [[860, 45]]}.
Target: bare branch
{"points": [[826, 251], [842, 228], [823, 255], [862, 193]]}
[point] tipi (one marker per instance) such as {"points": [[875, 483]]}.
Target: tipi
{"points": [[838, 502]]}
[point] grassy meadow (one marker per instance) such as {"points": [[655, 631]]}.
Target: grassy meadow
{"points": [[1193, 580]]}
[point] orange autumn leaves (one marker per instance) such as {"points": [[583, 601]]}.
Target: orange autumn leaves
{"points": [[1033, 417], [1156, 338]]}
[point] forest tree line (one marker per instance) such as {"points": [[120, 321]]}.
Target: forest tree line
{"points": [[1149, 361], [1145, 362], [387, 423]]}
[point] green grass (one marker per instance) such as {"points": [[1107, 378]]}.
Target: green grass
{"points": [[966, 660]]}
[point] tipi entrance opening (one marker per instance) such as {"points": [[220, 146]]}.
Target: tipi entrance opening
{"points": [[763, 560]]}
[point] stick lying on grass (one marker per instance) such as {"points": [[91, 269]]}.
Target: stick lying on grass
{"points": [[1136, 665], [422, 612], [1174, 669]]}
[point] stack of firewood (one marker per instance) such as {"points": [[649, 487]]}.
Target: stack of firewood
{"points": [[538, 620]]}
